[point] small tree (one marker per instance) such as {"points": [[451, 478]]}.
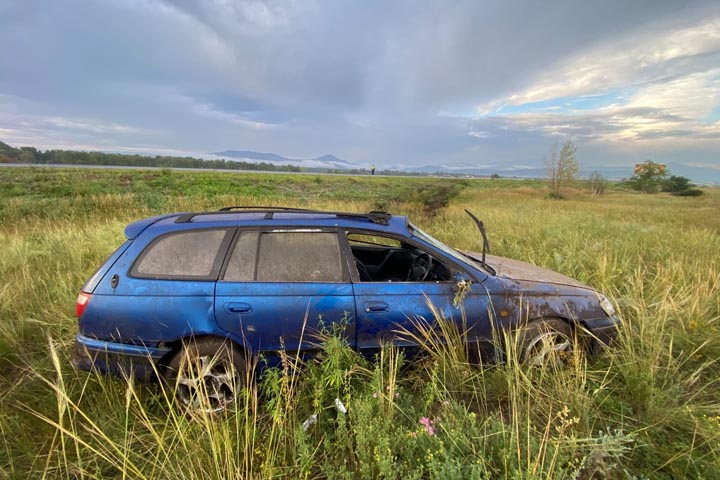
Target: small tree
{"points": [[562, 169], [598, 183], [649, 177]]}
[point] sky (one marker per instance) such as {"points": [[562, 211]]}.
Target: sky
{"points": [[394, 83]]}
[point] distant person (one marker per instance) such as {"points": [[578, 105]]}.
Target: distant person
{"points": [[372, 169]]}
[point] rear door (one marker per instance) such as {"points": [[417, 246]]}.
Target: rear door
{"points": [[279, 286]]}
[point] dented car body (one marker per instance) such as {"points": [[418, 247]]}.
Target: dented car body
{"points": [[261, 278]]}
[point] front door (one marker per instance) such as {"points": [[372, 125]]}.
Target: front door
{"points": [[400, 287]]}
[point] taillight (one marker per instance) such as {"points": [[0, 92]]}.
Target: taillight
{"points": [[82, 302]]}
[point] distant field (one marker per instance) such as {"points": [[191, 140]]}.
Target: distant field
{"points": [[650, 408]]}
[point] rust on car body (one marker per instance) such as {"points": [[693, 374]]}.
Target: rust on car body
{"points": [[545, 294]]}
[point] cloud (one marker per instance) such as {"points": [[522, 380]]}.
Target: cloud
{"points": [[675, 110], [648, 91], [376, 81], [646, 59], [480, 134], [90, 126]]}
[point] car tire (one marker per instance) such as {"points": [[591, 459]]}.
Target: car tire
{"points": [[547, 342], [207, 374]]}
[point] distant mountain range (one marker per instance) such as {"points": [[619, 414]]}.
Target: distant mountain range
{"points": [[324, 161]]}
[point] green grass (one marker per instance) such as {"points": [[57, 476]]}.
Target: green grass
{"points": [[647, 409]]}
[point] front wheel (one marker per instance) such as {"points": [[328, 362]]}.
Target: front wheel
{"points": [[549, 341], [207, 374]]}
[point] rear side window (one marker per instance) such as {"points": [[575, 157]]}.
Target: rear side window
{"points": [[191, 254], [285, 257], [299, 257], [241, 266]]}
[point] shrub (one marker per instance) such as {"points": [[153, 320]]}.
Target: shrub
{"points": [[598, 183], [681, 186]]}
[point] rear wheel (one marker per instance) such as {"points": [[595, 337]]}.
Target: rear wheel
{"points": [[549, 341], [207, 374]]}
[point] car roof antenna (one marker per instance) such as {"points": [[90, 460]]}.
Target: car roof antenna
{"points": [[481, 227]]}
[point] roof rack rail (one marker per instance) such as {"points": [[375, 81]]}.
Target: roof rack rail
{"points": [[375, 216], [256, 207]]}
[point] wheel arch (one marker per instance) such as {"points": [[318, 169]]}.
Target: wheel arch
{"points": [[176, 346]]}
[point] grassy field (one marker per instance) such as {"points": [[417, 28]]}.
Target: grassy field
{"points": [[650, 408]]}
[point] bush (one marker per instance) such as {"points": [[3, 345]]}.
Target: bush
{"points": [[681, 186], [598, 183], [690, 192]]}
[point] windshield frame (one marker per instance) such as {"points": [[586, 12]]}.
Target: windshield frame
{"points": [[456, 254]]}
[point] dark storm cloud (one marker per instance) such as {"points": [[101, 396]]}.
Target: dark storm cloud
{"points": [[402, 55]]}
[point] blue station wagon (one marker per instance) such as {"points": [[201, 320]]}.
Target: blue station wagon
{"points": [[225, 286]]}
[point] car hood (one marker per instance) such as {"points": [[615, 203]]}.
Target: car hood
{"points": [[517, 270]]}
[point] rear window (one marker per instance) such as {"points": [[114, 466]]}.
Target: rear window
{"points": [[190, 254]]}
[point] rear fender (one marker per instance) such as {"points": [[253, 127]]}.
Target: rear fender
{"points": [[100, 273]]}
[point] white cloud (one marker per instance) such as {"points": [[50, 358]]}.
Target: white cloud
{"points": [[635, 61], [208, 111], [662, 88], [480, 134], [692, 96], [86, 125]]}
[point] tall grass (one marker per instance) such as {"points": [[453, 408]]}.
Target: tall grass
{"points": [[648, 408]]}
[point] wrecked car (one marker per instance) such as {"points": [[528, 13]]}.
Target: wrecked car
{"points": [[225, 286]]}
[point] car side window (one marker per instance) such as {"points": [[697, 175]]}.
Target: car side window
{"points": [[189, 254], [386, 259], [299, 257], [285, 257], [359, 239], [241, 266]]}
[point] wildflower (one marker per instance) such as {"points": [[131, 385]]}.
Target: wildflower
{"points": [[428, 425], [375, 394]]}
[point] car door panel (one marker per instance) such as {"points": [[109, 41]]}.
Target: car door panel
{"points": [[389, 311], [265, 315]]}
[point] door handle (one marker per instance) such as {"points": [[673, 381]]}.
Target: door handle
{"points": [[376, 307], [237, 307]]}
